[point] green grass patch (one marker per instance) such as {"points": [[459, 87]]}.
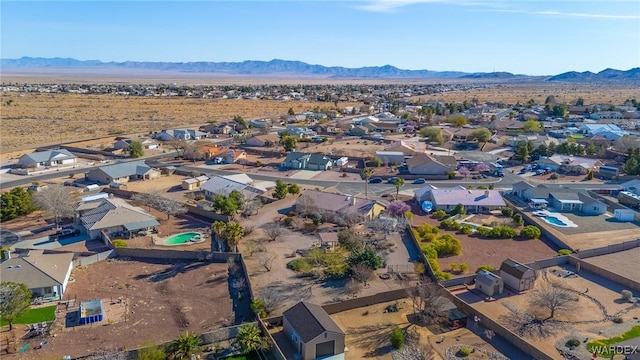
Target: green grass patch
{"points": [[34, 316], [603, 344], [250, 356], [577, 136]]}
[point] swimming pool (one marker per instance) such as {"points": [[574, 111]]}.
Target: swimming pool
{"points": [[554, 221], [184, 238]]}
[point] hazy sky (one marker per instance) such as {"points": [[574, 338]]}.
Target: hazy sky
{"points": [[521, 36]]}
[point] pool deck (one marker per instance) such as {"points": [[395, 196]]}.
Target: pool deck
{"points": [[546, 213]]}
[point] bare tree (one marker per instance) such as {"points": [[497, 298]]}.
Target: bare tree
{"points": [[414, 350], [554, 298], [57, 201], [171, 207], [429, 302], [352, 287], [361, 272], [274, 231], [266, 260], [239, 283], [251, 207], [272, 298], [306, 206], [178, 145]]}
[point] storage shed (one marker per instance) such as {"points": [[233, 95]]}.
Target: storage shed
{"points": [[517, 276], [489, 283]]}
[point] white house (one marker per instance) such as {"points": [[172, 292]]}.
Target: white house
{"points": [[47, 158]]}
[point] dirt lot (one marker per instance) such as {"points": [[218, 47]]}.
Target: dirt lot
{"points": [[480, 251], [75, 117], [157, 308]]}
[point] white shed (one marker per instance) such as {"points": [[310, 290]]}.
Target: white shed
{"points": [[489, 283], [624, 215]]}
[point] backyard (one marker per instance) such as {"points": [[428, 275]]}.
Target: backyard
{"points": [[34, 315], [155, 308]]}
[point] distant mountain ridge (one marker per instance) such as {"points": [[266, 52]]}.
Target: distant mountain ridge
{"points": [[299, 68]]}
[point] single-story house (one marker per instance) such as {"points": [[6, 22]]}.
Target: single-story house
{"points": [[569, 164], [517, 276], [632, 186], [122, 144], [180, 134], [390, 157], [299, 132], [407, 147], [122, 172], [431, 165], [358, 130], [329, 240], [473, 200], [260, 123], [266, 140], [560, 199], [296, 160], [383, 126], [228, 156], [221, 128], [422, 194], [343, 204], [313, 333], [319, 162], [149, 143], [47, 158], [223, 185], [46, 275], [113, 216], [489, 283]]}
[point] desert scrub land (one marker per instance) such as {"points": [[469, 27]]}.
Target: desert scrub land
{"points": [[563, 92], [32, 120]]}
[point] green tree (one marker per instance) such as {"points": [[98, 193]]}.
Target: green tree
{"points": [[368, 256], [376, 162], [521, 151], [397, 337], [218, 230], [288, 142], [481, 135], [580, 102], [281, 190], [136, 149], [367, 173], [185, 346], [15, 300], [530, 232], [258, 307], [240, 121], [233, 232], [224, 204], [630, 167], [293, 189], [14, 203], [250, 338], [398, 183], [434, 134], [291, 111], [591, 149], [532, 126]]}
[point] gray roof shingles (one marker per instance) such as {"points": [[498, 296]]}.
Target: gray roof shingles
{"points": [[310, 321]]}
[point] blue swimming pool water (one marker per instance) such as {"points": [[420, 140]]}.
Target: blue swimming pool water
{"points": [[554, 221]]}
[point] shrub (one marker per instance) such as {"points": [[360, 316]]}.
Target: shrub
{"points": [[451, 175], [299, 265], [287, 221], [531, 232], [150, 351], [573, 343], [463, 267], [464, 351], [517, 218], [424, 229], [485, 268], [454, 267], [439, 214], [441, 275], [563, 252], [447, 245], [257, 305], [618, 320], [590, 175], [507, 211], [119, 243], [259, 163], [435, 266], [418, 267], [483, 230], [626, 295], [397, 337], [502, 232], [429, 251], [466, 229], [459, 209], [553, 176]]}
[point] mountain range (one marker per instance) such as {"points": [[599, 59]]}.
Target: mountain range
{"points": [[299, 68]]}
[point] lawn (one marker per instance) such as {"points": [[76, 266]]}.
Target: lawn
{"points": [[603, 345], [34, 316], [249, 356]]}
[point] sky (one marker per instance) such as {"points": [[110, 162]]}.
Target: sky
{"points": [[532, 37]]}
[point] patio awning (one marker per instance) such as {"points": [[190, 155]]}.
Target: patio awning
{"points": [[141, 225], [569, 201], [539, 201]]}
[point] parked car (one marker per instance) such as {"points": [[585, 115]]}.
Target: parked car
{"points": [[64, 233], [375, 180], [419, 181], [391, 180]]}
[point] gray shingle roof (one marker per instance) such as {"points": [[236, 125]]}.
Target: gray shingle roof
{"points": [[294, 155], [37, 270], [310, 321], [318, 159], [42, 156], [124, 169], [514, 268]]}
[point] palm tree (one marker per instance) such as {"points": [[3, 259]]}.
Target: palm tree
{"points": [[367, 173], [218, 229], [398, 183], [186, 345], [232, 233], [250, 338]]}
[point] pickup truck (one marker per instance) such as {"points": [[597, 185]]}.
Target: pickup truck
{"points": [[64, 233]]}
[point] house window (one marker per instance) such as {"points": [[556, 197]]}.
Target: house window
{"points": [[48, 290], [595, 208]]}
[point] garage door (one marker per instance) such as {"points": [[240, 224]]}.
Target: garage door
{"points": [[325, 349]]}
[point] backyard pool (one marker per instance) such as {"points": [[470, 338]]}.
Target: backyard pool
{"points": [[184, 238], [554, 221]]}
